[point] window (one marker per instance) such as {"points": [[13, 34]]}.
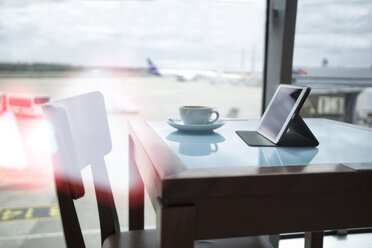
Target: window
{"points": [[147, 58], [332, 51], [163, 54]]}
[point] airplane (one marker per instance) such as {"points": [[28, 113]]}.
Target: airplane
{"points": [[215, 76], [179, 74], [193, 75]]}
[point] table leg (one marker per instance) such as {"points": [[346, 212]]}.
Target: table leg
{"points": [[314, 239], [136, 192], [175, 226]]}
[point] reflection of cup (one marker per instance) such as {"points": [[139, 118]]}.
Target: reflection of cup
{"points": [[196, 144], [197, 149], [195, 115]]}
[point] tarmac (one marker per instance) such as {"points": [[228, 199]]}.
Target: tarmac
{"points": [[29, 215]]}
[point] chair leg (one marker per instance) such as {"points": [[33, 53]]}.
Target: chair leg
{"points": [[136, 193], [314, 239]]}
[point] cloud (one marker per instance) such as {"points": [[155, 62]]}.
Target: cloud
{"points": [[84, 31], [174, 32], [338, 30]]}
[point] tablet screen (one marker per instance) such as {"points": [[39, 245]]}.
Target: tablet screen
{"points": [[279, 111]]}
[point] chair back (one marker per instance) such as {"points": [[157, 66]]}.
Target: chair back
{"points": [[82, 136]]}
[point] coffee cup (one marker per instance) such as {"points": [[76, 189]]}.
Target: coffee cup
{"points": [[197, 115]]}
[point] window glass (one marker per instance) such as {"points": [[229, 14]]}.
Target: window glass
{"points": [[333, 44], [161, 53], [146, 57]]}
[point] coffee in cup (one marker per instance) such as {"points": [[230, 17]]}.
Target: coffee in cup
{"points": [[197, 115]]}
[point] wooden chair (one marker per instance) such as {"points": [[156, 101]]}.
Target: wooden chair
{"points": [[83, 138]]}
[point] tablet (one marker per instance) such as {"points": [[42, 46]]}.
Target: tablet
{"points": [[285, 104]]}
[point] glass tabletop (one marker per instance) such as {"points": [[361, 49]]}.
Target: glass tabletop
{"points": [[223, 148]]}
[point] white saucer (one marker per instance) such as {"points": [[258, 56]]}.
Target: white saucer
{"points": [[178, 124]]}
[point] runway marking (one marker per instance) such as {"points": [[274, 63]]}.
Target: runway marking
{"points": [[48, 212]]}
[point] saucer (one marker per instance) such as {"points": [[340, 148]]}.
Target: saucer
{"points": [[178, 124]]}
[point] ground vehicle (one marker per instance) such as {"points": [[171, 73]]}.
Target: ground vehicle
{"points": [[23, 104]]}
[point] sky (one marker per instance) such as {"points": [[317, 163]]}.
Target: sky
{"points": [[207, 34], [339, 30]]}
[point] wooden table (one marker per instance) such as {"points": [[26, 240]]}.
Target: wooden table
{"points": [[206, 186]]}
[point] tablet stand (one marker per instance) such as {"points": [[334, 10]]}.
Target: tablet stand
{"points": [[298, 134]]}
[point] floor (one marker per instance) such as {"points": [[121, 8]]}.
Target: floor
{"points": [[349, 241], [29, 214]]}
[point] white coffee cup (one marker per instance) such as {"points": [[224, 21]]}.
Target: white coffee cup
{"points": [[197, 115]]}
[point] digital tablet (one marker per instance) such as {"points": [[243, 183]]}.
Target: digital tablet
{"points": [[285, 104]]}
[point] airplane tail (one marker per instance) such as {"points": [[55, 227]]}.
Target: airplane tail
{"points": [[152, 69]]}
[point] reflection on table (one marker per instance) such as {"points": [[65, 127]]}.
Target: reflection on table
{"points": [[200, 145]]}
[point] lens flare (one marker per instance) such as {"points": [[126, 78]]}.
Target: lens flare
{"points": [[11, 146], [41, 139]]}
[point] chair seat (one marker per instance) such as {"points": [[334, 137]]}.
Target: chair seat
{"points": [[147, 239]]}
